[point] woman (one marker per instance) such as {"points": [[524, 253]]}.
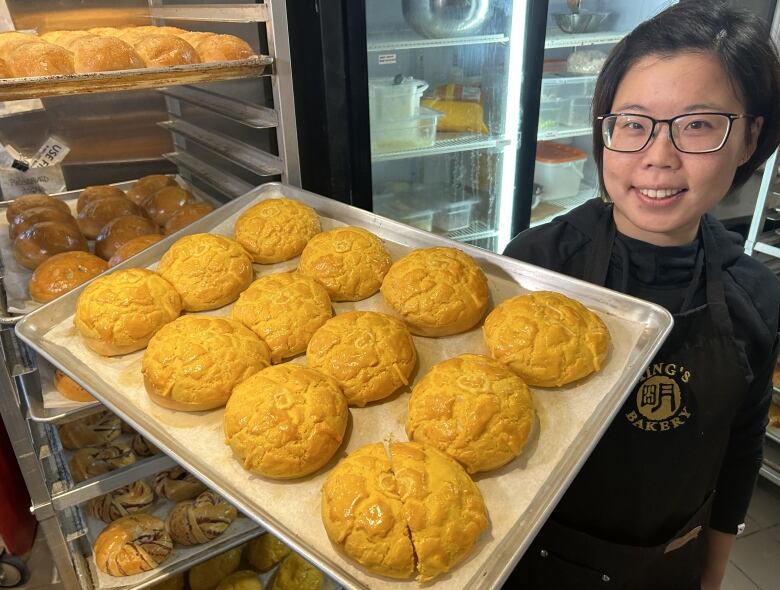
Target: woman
{"points": [[688, 106]]}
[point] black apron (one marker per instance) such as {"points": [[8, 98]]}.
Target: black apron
{"points": [[645, 493]]}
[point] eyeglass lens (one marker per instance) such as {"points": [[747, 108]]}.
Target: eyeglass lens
{"points": [[691, 133]]}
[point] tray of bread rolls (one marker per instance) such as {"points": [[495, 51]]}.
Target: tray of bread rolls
{"points": [[110, 59], [398, 407]]}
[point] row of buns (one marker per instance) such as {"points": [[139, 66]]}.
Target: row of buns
{"points": [[107, 48]]}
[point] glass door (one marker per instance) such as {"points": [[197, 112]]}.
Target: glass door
{"points": [[444, 114]]}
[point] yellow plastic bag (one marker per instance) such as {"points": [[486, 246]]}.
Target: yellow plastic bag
{"points": [[459, 116]]}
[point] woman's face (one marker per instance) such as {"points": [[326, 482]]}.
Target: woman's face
{"points": [[659, 193]]}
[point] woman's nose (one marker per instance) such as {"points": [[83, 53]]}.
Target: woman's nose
{"points": [[661, 150]]}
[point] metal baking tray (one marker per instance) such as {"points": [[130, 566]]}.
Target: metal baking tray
{"points": [[290, 509], [120, 80]]}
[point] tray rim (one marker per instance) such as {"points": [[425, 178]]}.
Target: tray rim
{"points": [[521, 534]]}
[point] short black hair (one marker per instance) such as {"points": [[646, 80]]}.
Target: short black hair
{"points": [[738, 38]]}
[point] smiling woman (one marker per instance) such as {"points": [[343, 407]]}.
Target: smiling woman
{"points": [[686, 108]]}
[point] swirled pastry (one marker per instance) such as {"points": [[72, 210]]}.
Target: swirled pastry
{"points": [[177, 485], [285, 310], [93, 461], [473, 408], [437, 291], [142, 447], [546, 338], [130, 499], [369, 354], [197, 521], [285, 421], [94, 430], [275, 230], [132, 545], [350, 262], [265, 551]]}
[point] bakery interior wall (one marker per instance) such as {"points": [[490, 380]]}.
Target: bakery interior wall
{"points": [[115, 136]]}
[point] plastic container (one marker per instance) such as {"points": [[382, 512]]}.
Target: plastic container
{"points": [[389, 102], [579, 111], [551, 113], [405, 134], [558, 170], [451, 216], [398, 207]]}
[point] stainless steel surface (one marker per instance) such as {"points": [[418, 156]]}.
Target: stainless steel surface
{"points": [[256, 116], [446, 18], [655, 322], [29, 386], [226, 13], [223, 183], [580, 22]]}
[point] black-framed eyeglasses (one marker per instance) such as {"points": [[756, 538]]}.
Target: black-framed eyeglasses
{"points": [[691, 133]]}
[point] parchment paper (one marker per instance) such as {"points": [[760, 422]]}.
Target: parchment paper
{"points": [[294, 506]]}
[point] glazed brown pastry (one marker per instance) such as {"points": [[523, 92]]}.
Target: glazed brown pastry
{"points": [[62, 273], [39, 59], [148, 185], [94, 461], [100, 54], [159, 51], [185, 215], [197, 521], [29, 217], [91, 431], [70, 389], [165, 202], [142, 447], [64, 38], [177, 485], [133, 247], [121, 230], [92, 193], [99, 212], [265, 551], [130, 499], [223, 48], [43, 240], [34, 200], [132, 545]]}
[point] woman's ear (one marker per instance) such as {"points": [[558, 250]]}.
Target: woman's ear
{"points": [[750, 147]]}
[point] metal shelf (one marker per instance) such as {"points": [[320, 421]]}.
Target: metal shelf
{"points": [[564, 132], [224, 13], [586, 192], [476, 231], [773, 433], [398, 40], [222, 182], [556, 38], [255, 116], [771, 466], [446, 145]]}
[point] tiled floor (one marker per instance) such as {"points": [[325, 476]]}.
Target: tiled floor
{"points": [[755, 561]]}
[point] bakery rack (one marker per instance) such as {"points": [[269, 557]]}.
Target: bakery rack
{"points": [[227, 137]]}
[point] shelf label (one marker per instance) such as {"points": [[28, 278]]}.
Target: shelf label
{"points": [[386, 59]]}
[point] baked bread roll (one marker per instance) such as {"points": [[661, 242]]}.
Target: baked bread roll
{"points": [[197, 521], [142, 447], [105, 31], [130, 499], [349, 262], [473, 408], [276, 230], [223, 48], [185, 215], [121, 230], [120, 312], [91, 431], [65, 38], [92, 193], [43, 240], [62, 273], [148, 185], [165, 202], [295, 573], [132, 545], [437, 291], [174, 582], [207, 574], [70, 389], [546, 338], [265, 551], [286, 421], [208, 271], [160, 51], [177, 485], [241, 580], [39, 59], [29, 217], [5, 71], [285, 310], [431, 509], [98, 212], [370, 355], [34, 200], [133, 247], [11, 40], [93, 461], [194, 362], [101, 54]]}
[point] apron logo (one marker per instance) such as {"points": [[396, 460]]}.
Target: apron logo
{"points": [[658, 398]]}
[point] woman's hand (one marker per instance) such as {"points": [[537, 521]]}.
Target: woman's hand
{"points": [[716, 557]]}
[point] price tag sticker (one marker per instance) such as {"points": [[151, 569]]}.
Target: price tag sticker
{"points": [[386, 59]]}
